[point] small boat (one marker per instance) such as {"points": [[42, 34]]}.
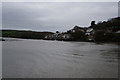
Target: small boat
{"points": [[1, 39]]}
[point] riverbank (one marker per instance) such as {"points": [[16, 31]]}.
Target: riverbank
{"points": [[15, 39]]}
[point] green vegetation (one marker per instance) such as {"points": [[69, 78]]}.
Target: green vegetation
{"points": [[113, 24], [24, 34], [78, 35], [105, 31]]}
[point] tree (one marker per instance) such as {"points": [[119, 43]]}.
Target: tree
{"points": [[79, 35], [92, 23], [57, 31]]}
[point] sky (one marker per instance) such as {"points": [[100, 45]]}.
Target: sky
{"points": [[60, 0], [55, 16]]}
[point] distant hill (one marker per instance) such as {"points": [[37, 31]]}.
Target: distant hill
{"points": [[24, 34]]}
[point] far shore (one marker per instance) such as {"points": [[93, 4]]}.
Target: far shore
{"points": [[62, 40]]}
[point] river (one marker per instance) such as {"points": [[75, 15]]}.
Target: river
{"points": [[22, 58]]}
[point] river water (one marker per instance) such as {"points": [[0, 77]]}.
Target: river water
{"points": [[58, 59]]}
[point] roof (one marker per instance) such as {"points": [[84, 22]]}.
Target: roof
{"points": [[77, 27]]}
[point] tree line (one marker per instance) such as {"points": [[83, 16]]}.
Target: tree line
{"points": [[24, 34]]}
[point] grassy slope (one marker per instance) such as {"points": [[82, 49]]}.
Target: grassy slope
{"points": [[24, 34]]}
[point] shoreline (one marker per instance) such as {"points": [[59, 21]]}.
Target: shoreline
{"points": [[118, 43]]}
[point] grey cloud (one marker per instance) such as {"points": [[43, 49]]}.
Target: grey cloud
{"points": [[55, 16]]}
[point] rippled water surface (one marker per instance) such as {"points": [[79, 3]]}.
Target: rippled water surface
{"points": [[59, 59]]}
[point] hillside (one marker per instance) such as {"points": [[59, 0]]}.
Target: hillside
{"points": [[24, 34], [113, 24]]}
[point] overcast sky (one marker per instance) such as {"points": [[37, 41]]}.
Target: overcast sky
{"points": [[53, 16]]}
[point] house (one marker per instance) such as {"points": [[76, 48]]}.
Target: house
{"points": [[67, 37], [51, 36], [48, 37], [59, 36], [77, 28], [90, 34]]}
